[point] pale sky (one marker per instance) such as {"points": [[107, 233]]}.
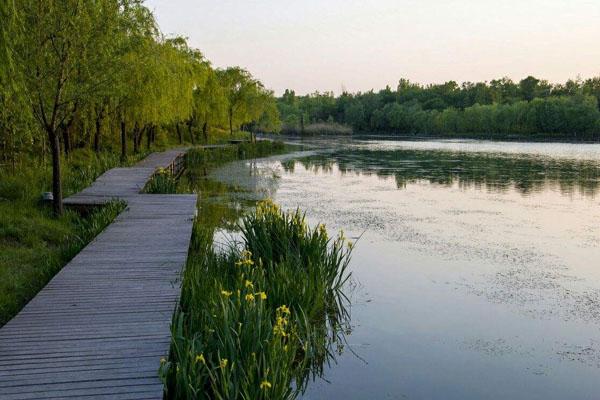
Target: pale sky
{"points": [[331, 45]]}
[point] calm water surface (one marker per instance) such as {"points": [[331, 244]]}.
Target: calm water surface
{"points": [[477, 271]]}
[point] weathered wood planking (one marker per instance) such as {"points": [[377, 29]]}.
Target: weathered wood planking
{"points": [[100, 327]]}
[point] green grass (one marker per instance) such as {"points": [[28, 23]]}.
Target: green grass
{"points": [[257, 322], [34, 245]]}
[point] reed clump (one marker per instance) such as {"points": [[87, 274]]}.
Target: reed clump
{"points": [[163, 181], [257, 320]]}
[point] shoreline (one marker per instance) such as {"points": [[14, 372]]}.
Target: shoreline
{"points": [[409, 137]]}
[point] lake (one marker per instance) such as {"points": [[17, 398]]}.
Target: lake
{"points": [[476, 269]]}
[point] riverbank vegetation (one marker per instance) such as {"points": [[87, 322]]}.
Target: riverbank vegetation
{"points": [[262, 313], [256, 321], [317, 129], [199, 161], [500, 109], [100, 75]]}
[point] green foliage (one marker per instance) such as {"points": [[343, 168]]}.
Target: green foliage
{"points": [[320, 128], [100, 75], [532, 108], [256, 324], [247, 100]]}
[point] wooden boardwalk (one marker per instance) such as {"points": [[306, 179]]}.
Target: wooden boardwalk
{"points": [[100, 327]]}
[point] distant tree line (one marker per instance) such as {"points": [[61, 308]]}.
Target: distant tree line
{"points": [[496, 109], [496, 172], [99, 74]]}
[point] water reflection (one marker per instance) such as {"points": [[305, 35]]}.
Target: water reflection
{"points": [[496, 172], [491, 292]]}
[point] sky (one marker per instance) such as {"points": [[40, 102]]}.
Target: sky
{"points": [[337, 45]]}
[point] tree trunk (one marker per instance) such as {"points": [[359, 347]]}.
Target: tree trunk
{"points": [[11, 149], [135, 133], [72, 134], [136, 144], [87, 136], [7, 149], [64, 129], [137, 140], [44, 152], [148, 138], [123, 142], [190, 123], [179, 135], [57, 204], [205, 131], [97, 133], [231, 122]]}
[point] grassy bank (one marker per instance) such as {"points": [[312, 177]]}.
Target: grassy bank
{"points": [[256, 322], [35, 245]]}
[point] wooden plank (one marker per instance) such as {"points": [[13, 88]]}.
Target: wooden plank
{"points": [[101, 325]]}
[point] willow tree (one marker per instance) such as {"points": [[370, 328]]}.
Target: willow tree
{"points": [[208, 98], [13, 112], [57, 54], [239, 86], [157, 85], [93, 78], [187, 71], [210, 103], [138, 33], [81, 62], [153, 81], [7, 29], [268, 119], [135, 103], [260, 110]]}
